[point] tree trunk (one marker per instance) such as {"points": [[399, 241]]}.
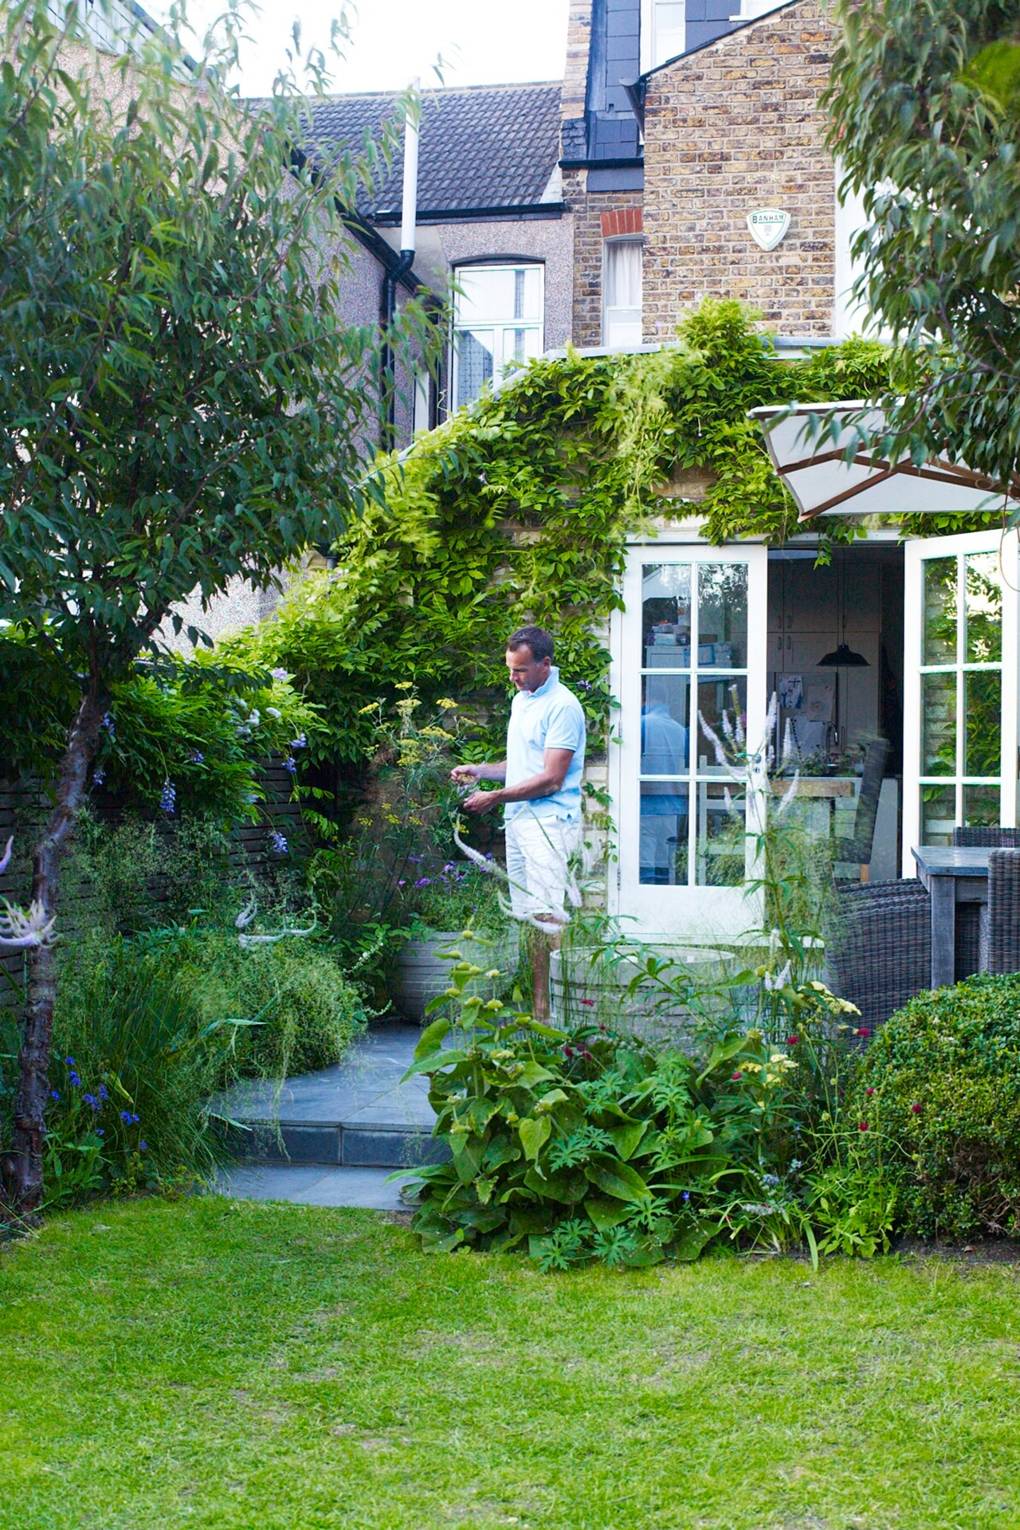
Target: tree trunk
{"points": [[23, 1165]]}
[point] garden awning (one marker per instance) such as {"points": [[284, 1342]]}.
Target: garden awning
{"points": [[823, 482]]}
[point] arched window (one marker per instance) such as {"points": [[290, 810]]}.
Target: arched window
{"points": [[497, 322]]}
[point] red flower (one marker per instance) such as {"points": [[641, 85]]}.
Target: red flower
{"points": [[736, 1075], [589, 1002], [869, 1092], [862, 1126], [791, 1041], [863, 1030], [916, 1108]]}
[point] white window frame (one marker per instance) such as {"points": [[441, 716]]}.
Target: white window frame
{"points": [[497, 323], [651, 52], [615, 241]]}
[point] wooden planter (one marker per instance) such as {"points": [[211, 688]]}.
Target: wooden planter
{"points": [[421, 973]]}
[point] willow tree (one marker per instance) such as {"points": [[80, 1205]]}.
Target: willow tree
{"points": [[923, 113], [181, 401]]}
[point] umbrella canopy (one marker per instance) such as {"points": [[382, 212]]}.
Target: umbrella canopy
{"points": [[823, 482]]}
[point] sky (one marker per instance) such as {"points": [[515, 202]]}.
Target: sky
{"points": [[480, 42]]}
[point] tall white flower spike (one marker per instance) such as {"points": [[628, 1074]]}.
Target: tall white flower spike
{"points": [[20, 931], [5, 859]]}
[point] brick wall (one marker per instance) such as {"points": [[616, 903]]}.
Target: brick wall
{"points": [[734, 127], [575, 72], [597, 215]]}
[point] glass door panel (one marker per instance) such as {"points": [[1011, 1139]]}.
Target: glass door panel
{"points": [[686, 650], [960, 693]]}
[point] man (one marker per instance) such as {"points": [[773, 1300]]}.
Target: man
{"points": [[541, 794]]}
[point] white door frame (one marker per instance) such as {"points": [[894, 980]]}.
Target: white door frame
{"points": [[917, 551], [656, 910]]}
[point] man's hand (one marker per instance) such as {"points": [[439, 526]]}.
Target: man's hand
{"points": [[482, 802], [463, 775]]}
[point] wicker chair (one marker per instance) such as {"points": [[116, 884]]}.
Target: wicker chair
{"points": [[879, 949], [858, 847], [993, 835], [1001, 932]]}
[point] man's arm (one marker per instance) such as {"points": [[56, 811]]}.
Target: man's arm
{"points": [[555, 764], [494, 770]]}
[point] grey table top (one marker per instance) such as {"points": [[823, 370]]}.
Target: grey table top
{"points": [[952, 860]]}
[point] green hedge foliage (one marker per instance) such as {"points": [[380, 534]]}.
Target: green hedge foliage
{"points": [[937, 1106]]}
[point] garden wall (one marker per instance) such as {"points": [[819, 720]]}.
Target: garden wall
{"points": [[24, 806]]}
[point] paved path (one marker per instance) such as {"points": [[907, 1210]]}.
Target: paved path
{"points": [[331, 1138], [311, 1185]]}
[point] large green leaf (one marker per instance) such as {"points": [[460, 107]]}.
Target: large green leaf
{"points": [[606, 1213], [626, 1136], [617, 1179], [534, 1132]]}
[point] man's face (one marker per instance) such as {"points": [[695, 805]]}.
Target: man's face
{"points": [[527, 672]]}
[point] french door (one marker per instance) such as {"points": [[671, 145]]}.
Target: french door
{"points": [[960, 686], [690, 641]]}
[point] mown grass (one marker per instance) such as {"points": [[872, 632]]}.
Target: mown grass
{"points": [[219, 1364]]}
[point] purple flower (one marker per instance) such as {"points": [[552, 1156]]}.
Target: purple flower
{"points": [[143, 1147], [91, 1101], [686, 1196], [54, 1094], [108, 724], [279, 674], [290, 764], [423, 882], [300, 742], [75, 1080], [168, 798], [99, 1131], [125, 1116], [197, 757], [277, 842], [98, 776], [402, 882], [103, 1092], [70, 1062]]}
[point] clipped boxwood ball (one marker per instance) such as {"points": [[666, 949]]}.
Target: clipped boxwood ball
{"points": [[936, 1104]]}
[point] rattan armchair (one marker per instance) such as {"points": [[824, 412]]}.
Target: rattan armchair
{"points": [[992, 835], [879, 946], [1001, 933]]}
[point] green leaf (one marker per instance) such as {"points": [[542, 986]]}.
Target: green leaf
{"points": [[690, 1245], [442, 1057], [532, 1073], [605, 1213], [626, 1136], [534, 1132], [431, 1037], [617, 1179]]}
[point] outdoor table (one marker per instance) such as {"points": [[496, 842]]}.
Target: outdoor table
{"points": [[952, 874]]}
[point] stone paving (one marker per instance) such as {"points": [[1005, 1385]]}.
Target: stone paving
{"points": [[331, 1138]]}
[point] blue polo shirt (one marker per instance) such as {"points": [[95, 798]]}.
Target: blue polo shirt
{"points": [[549, 718]]}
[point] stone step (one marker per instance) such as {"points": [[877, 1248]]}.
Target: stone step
{"points": [[356, 1114], [311, 1185]]}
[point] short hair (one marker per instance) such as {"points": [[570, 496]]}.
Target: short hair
{"points": [[536, 638]]}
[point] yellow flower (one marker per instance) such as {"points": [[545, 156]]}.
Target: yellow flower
{"points": [[403, 685], [446, 704]]}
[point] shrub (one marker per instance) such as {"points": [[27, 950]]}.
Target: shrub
{"points": [[587, 1144], [134, 1070], [937, 1108], [148, 1029], [307, 1011]]}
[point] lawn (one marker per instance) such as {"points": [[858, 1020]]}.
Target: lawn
{"points": [[211, 1363]]}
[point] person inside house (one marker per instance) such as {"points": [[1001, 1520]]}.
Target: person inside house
{"points": [[540, 794], [663, 803]]}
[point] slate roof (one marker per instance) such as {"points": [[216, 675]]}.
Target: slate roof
{"points": [[485, 146]]}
